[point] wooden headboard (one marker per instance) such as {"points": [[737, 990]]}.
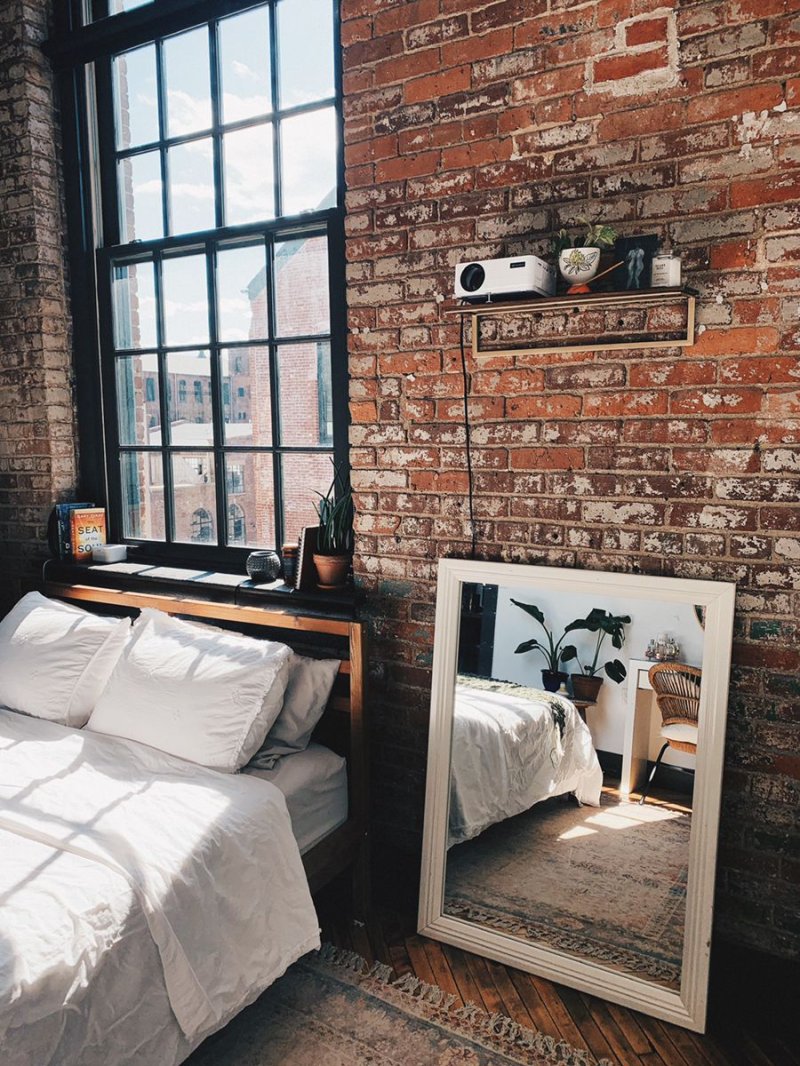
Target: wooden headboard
{"points": [[342, 727]]}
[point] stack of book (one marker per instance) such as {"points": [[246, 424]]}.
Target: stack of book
{"points": [[75, 529]]}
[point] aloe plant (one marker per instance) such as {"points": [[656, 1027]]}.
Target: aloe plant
{"points": [[335, 514]]}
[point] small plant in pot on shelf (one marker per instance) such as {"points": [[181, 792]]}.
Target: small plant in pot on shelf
{"points": [[334, 549], [579, 257], [553, 677], [586, 684]]}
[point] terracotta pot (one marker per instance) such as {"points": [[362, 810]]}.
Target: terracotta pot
{"points": [[332, 570], [585, 687], [552, 681]]}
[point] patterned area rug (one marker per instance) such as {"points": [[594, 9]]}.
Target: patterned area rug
{"points": [[332, 1009], [607, 884]]}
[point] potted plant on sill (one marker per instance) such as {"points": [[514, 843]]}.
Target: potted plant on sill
{"points": [[553, 677], [579, 257], [586, 685], [334, 548]]}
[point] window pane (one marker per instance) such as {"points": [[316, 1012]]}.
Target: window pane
{"points": [[141, 214], [237, 525], [134, 297], [305, 50], [304, 374], [245, 65], [302, 302], [194, 497], [249, 482], [188, 86], [185, 300], [303, 477], [189, 399], [137, 399], [308, 144], [242, 293], [191, 186], [246, 396], [136, 97], [142, 495], [249, 180]]}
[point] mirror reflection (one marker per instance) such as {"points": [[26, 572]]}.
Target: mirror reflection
{"points": [[574, 743]]}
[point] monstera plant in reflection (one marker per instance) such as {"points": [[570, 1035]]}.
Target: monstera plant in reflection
{"points": [[586, 684]]}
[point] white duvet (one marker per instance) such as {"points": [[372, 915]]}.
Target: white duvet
{"points": [[508, 753], [143, 899]]}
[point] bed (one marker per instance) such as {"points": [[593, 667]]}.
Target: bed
{"points": [[512, 748], [146, 900]]}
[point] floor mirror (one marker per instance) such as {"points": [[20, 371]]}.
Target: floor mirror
{"points": [[574, 776]]}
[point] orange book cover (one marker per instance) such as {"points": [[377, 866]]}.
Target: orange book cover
{"points": [[88, 530]]}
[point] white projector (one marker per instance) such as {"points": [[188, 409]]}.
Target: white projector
{"points": [[488, 278]]}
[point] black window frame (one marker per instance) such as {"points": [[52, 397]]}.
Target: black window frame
{"points": [[82, 56]]}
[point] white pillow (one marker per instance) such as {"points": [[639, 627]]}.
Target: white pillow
{"points": [[206, 696], [307, 693], [55, 659]]}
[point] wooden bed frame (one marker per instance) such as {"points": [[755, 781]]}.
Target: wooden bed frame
{"points": [[341, 728]]}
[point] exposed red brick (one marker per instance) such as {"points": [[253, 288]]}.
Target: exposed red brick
{"points": [[614, 68], [645, 31], [765, 191]]}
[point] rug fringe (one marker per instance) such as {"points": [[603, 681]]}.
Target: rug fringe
{"points": [[476, 1020], [563, 941]]}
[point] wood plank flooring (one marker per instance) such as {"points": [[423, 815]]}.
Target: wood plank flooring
{"points": [[744, 1030]]}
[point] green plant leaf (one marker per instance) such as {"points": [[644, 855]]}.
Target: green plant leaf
{"points": [[528, 645], [616, 671], [569, 653], [531, 609]]}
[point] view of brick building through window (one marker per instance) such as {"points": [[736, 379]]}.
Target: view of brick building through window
{"points": [[304, 384]]}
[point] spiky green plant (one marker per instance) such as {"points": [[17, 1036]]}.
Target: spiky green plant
{"points": [[335, 514]]}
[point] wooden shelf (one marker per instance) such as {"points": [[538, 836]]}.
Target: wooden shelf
{"points": [[629, 320]]}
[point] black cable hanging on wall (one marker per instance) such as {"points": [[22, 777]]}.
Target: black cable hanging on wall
{"points": [[468, 446]]}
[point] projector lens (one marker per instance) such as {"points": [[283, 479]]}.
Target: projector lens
{"points": [[472, 277]]}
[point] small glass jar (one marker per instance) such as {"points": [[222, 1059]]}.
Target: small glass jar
{"points": [[666, 271]]}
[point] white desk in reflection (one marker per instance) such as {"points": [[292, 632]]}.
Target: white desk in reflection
{"points": [[640, 704]]}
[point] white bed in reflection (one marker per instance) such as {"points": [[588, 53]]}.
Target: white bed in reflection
{"points": [[512, 748]]}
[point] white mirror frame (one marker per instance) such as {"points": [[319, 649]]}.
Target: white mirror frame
{"points": [[686, 1007]]}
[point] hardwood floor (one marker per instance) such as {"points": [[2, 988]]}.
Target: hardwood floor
{"points": [[751, 1022]]}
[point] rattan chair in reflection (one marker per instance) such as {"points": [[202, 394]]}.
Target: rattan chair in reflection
{"points": [[677, 689]]}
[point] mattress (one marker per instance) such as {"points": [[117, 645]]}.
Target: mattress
{"points": [[314, 784]]}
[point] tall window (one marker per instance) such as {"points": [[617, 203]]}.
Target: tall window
{"points": [[219, 275]]}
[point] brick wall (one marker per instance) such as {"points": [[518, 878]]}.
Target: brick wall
{"points": [[37, 449], [473, 129]]}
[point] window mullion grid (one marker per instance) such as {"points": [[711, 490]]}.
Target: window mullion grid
{"points": [[277, 183], [274, 386], [108, 167], [340, 381], [217, 413], [161, 87], [216, 121], [163, 382]]}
